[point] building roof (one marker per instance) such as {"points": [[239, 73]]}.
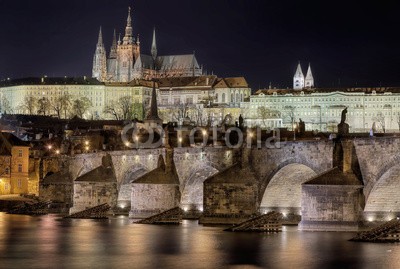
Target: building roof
{"points": [[175, 82], [8, 141], [61, 177], [132, 83], [236, 82], [334, 176], [370, 90], [50, 81]]}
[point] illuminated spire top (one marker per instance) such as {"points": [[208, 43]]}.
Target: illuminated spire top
{"points": [[100, 40], [154, 45], [128, 38]]}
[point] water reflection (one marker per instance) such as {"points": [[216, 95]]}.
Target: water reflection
{"points": [[52, 242]]}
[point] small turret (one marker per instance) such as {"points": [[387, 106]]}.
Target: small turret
{"points": [[113, 50]]}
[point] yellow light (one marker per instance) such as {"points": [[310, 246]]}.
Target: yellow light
{"points": [[87, 148], [49, 146], [136, 138], [250, 134], [127, 144], [180, 139], [57, 151], [204, 132], [86, 142]]}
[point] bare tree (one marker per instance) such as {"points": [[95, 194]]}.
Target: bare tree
{"points": [[5, 106], [265, 113], [122, 109], [126, 106], [29, 104], [61, 103], [81, 106], [290, 115], [112, 109], [44, 106]]}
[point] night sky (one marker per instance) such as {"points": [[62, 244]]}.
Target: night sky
{"points": [[347, 44]]}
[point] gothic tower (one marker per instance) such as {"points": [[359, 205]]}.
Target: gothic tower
{"points": [[99, 70], [127, 53], [298, 79], [309, 81]]}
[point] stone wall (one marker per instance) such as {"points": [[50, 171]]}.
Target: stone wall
{"points": [[328, 207], [90, 194], [59, 193], [151, 199]]}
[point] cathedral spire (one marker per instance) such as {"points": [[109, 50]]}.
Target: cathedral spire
{"points": [[298, 79], [152, 116], [154, 45], [128, 38], [113, 51], [100, 39], [99, 59], [309, 80]]}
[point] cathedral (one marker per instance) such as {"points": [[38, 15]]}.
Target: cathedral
{"points": [[125, 62], [301, 82]]}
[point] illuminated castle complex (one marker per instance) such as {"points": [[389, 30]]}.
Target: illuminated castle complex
{"points": [[125, 61]]}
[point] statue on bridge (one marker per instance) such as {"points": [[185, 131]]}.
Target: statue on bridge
{"points": [[343, 127]]}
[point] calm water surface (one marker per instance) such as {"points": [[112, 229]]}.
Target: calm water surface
{"points": [[51, 242]]}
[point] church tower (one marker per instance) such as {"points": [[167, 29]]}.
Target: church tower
{"points": [[298, 79], [309, 81], [99, 70], [127, 53]]}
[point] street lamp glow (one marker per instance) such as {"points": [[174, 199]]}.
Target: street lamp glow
{"points": [[49, 146], [180, 139], [86, 143], [87, 148], [204, 132], [57, 151]]}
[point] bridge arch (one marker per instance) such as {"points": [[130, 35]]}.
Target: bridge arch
{"points": [[283, 190], [192, 192], [125, 186], [383, 202]]}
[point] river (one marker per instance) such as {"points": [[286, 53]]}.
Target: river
{"points": [[51, 242]]}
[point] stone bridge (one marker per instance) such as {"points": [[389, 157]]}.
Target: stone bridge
{"points": [[278, 172]]}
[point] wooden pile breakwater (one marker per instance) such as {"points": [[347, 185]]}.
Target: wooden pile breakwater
{"points": [[96, 212], [385, 233], [270, 222], [38, 208], [171, 216]]}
